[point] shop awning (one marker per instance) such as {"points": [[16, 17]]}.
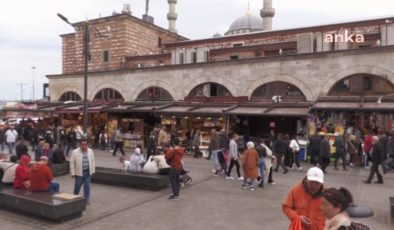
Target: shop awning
{"points": [[247, 111], [79, 109], [117, 109], [386, 106], [336, 105], [175, 109], [287, 112], [209, 110], [354, 106]]}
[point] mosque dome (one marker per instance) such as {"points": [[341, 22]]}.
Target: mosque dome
{"points": [[217, 35], [245, 24]]}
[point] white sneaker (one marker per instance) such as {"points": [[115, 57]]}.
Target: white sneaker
{"points": [[300, 168], [240, 178], [229, 178]]}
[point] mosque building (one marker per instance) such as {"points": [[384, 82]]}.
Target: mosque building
{"points": [[254, 79]]}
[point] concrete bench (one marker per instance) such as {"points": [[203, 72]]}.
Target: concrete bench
{"points": [[134, 180], [60, 169], [392, 206], [41, 204]]}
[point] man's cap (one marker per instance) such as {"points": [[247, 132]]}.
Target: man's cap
{"points": [[315, 174], [43, 158]]}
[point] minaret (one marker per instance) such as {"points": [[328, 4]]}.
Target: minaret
{"points": [[267, 13], [172, 16]]}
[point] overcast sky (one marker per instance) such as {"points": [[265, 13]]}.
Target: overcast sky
{"points": [[30, 29]]}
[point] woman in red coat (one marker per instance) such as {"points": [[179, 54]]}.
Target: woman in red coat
{"points": [[21, 180], [250, 163]]}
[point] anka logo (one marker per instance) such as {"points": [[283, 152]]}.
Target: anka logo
{"points": [[343, 38]]}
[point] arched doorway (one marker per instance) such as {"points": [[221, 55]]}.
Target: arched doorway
{"points": [[108, 94], [278, 90], [362, 85], [154, 94], [70, 96], [210, 89]]}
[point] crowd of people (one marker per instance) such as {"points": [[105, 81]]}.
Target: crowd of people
{"points": [[324, 208], [33, 171]]}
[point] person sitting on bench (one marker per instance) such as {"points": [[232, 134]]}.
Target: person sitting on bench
{"points": [[137, 161], [151, 166], [8, 168], [21, 180], [164, 168], [125, 164], [40, 177]]}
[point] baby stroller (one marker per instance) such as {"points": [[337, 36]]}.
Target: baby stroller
{"points": [[185, 179]]}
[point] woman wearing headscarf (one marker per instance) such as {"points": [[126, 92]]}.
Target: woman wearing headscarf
{"points": [[250, 163], [137, 161]]}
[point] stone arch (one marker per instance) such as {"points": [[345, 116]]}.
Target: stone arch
{"points": [[304, 88], [193, 84], [105, 85], [156, 93], [68, 89], [154, 83], [284, 89], [201, 87], [76, 95], [107, 91], [373, 70]]}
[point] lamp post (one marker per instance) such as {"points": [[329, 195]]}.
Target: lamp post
{"points": [[32, 87], [388, 21], [85, 71]]}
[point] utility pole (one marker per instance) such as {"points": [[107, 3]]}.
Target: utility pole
{"points": [[32, 88], [21, 89]]}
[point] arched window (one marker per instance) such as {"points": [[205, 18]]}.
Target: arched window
{"points": [[108, 94], [285, 90], [70, 96], [154, 93], [210, 90], [365, 84]]}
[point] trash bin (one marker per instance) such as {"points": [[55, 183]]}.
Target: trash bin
{"points": [[303, 146], [303, 154]]}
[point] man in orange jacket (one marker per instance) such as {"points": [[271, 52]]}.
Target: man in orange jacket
{"points": [[304, 200]]}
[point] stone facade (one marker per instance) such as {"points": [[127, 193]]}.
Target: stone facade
{"points": [[142, 55], [313, 73]]}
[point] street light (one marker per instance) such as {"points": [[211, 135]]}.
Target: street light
{"points": [[85, 71], [388, 21], [32, 88]]}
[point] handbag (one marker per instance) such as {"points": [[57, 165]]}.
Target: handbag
{"points": [[296, 224]]}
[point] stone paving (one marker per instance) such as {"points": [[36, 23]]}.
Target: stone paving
{"points": [[212, 202]]}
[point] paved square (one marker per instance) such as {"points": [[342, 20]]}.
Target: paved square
{"points": [[212, 202]]}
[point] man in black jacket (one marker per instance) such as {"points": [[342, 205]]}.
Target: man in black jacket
{"points": [[324, 152], [377, 159], [281, 147]]}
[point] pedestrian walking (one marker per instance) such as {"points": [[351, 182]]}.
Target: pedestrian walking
{"points": [[82, 167]]}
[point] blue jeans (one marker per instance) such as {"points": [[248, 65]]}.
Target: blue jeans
{"points": [[262, 167], [215, 160], [174, 180], [54, 187], [2, 147], [85, 180], [10, 147]]}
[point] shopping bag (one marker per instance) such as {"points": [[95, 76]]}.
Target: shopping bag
{"points": [[296, 224]]}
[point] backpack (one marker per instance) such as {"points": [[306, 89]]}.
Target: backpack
{"points": [[356, 226], [261, 151]]}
